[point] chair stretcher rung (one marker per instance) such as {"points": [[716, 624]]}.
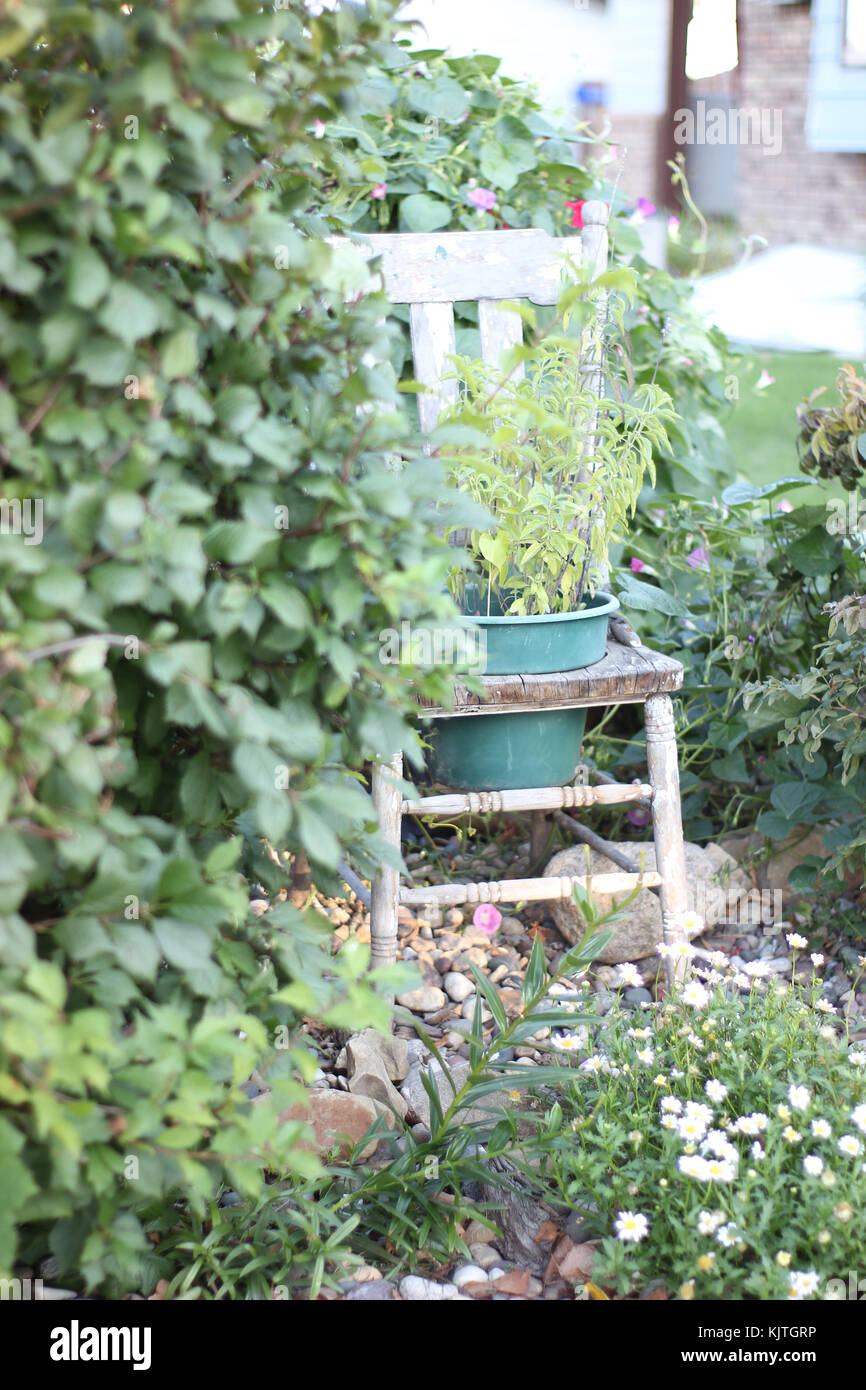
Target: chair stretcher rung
{"points": [[513, 890], [527, 799]]}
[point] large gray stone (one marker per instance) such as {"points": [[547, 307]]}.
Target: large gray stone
{"points": [[368, 1075], [393, 1051], [488, 1109], [638, 934]]}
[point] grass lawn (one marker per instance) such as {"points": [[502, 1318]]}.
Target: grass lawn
{"points": [[762, 427]]}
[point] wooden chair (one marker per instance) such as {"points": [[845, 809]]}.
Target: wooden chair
{"points": [[431, 272]]}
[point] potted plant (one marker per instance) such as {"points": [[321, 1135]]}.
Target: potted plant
{"points": [[557, 462]]}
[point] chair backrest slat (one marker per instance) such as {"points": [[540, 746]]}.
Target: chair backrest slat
{"points": [[500, 329], [432, 328]]}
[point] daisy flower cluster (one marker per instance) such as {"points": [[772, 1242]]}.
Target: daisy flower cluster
{"points": [[699, 1112]]}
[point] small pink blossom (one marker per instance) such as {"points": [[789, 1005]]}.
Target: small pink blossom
{"points": [[784, 505], [318, 129], [484, 199], [636, 565], [379, 190], [674, 226], [645, 208], [638, 815], [698, 559], [764, 380], [487, 918]]}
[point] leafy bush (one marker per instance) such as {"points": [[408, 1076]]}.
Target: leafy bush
{"points": [[736, 589], [715, 1142], [832, 439], [426, 140], [189, 658]]}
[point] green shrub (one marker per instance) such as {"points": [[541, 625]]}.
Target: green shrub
{"points": [[189, 659]]}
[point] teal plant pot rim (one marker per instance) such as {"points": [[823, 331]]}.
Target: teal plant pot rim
{"points": [[600, 604]]}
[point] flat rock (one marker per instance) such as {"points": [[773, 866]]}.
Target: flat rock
{"points": [[426, 1000], [418, 1290], [333, 1115], [488, 1109], [378, 1292], [638, 934]]}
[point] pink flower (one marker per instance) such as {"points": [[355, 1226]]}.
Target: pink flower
{"points": [[784, 505], [577, 213], [318, 129], [764, 380], [699, 559], [636, 565], [487, 918], [645, 208], [484, 199], [379, 190], [638, 815], [674, 226]]}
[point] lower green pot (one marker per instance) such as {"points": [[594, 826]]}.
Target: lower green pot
{"points": [[499, 752]]}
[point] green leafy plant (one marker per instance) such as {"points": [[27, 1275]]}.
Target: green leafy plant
{"points": [[562, 466]]}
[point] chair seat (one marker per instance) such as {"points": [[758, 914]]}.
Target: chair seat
{"points": [[625, 675]]}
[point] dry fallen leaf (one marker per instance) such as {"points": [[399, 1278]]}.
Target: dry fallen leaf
{"points": [[546, 1232], [159, 1292], [516, 1282], [571, 1261]]}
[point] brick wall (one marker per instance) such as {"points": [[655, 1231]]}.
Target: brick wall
{"points": [[637, 140], [798, 194]]}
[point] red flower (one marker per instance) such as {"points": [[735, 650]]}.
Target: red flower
{"points": [[577, 212]]}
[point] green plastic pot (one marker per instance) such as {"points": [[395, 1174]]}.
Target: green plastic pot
{"points": [[535, 748]]}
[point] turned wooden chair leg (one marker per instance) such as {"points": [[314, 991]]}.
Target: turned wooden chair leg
{"points": [[661, 749], [385, 892]]}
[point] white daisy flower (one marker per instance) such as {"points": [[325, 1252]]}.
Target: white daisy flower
{"points": [[715, 1091], [718, 960], [709, 1222], [646, 1055], [858, 1115], [716, 1144], [824, 1006], [849, 1144], [631, 1226], [813, 1165], [698, 1110], [796, 941], [856, 1057], [802, 1285], [821, 1129], [728, 1235], [742, 981], [672, 1105], [691, 1127], [720, 1170], [592, 1064], [628, 974], [757, 1152], [792, 1135], [817, 959], [641, 1033], [566, 1042], [799, 1097], [755, 1123], [693, 1166], [695, 995], [668, 1121]]}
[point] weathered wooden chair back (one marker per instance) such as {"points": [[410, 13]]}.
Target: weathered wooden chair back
{"points": [[433, 271]]}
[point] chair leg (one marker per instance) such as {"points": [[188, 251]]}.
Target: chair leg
{"points": [[661, 747], [385, 894]]}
